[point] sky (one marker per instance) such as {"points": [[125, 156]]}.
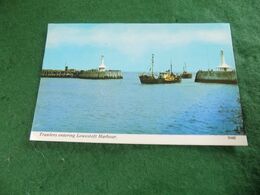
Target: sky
{"points": [[129, 47]]}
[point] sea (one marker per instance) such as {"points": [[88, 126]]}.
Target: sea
{"points": [[125, 106]]}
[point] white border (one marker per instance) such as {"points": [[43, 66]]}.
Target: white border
{"points": [[214, 140]]}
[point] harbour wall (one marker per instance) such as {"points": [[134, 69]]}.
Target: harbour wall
{"points": [[210, 76], [59, 73], [94, 74], [88, 74]]}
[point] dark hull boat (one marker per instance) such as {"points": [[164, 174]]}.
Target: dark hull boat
{"points": [[163, 78], [186, 75], [146, 79]]}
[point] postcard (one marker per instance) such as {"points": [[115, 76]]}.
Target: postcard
{"points": [[122, 83]]}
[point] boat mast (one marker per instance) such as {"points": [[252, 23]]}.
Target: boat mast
{"points": [[171, 66], [152, 63]]}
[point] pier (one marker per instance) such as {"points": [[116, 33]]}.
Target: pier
{"points": [[100, 73]]}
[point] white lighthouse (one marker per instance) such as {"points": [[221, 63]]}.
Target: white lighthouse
{"points": [[223, 66], [102, 66]]}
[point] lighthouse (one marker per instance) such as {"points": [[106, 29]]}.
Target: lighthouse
{"points": [[223, 66], [102, 66]]}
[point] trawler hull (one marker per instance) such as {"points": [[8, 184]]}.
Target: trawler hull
{"points": [[225, 77], [186, 75], [144, 79]]}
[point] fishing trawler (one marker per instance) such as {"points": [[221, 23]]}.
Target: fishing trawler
{"points": [[185, 74], [164, 77]]}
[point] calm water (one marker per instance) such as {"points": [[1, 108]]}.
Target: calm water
{"points": [[126, 106]]}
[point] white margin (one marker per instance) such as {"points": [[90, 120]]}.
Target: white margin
{"points": [[214, 140]]}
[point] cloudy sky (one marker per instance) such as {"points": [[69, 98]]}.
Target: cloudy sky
{"points": [[128, 47]]}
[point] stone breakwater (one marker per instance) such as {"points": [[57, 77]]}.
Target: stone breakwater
{"points": [[210, 76], [83, 74], [95, 74]]}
